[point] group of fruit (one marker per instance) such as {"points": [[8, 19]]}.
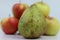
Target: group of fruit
{"points": [[31, 22], [10, 24]]}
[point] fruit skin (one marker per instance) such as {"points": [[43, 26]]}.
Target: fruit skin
{"points": [[9, 25], [43, 7], [32, 23], [18, 9], [52, 27], [0, 22]]}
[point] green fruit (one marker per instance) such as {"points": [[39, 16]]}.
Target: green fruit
{"points": [[52, 27], [43, 7], [32, 23]]}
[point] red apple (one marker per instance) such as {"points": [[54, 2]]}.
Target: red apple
{"points": [[9, 25], [18, 9]]}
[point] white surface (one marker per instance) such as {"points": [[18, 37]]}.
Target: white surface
{"points": [[19, 37]]}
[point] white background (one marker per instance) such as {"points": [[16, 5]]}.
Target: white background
{"points": [[6, 9]]}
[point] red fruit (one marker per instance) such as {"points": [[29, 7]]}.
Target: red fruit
{"points": [[9, 25], [18, 9]]}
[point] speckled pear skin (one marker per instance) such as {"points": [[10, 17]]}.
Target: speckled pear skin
{"points": [[32, 23]]}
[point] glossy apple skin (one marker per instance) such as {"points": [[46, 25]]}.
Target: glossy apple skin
{"points": [[18, 9], [43, 7], [9, 25], [52, 26]]}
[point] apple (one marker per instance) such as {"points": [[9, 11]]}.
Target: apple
{"points": [[9, 25], [52, 26], [18, 9], [0, 22], [43, 7]]}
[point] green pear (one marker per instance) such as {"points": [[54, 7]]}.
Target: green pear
{"points": [[32, 23], [52, 26]]}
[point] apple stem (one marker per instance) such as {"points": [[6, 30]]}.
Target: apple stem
{"points": [[19, 1], [9, 15], [41, 1]]}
